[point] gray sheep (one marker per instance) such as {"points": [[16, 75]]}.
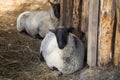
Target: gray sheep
{"points": [[62, 51], [38, 23]]}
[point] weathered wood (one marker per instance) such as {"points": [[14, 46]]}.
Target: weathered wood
{"points": [[66, 12], [62, 12], [84, 17], [77, 10], [106, 24], [84, 20], [75, 18], [117, 39], [80, 16], [80, 19], [92, 32], [76, 13]]}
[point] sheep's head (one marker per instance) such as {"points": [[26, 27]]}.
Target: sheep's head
{"points": [[62, 36], [56, 9]]}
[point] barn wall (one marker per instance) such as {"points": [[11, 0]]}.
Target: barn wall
{"points": [[117, 36], [106, 24], [106, 39], [92, 33]]}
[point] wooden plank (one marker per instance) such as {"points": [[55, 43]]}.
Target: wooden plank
{"points": [[69, 12], [92, 32], [117, 38], [84, 17], [76, 13], [62, 12], [66, 12], [77, 10], [84, 20], [80, 16], [106, 24]]}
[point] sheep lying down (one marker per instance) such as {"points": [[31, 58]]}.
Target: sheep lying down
{"points": [[36, 23], [66, 60]]}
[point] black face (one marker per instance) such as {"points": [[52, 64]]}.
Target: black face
{"points": [[56, 9], [62, 36]]}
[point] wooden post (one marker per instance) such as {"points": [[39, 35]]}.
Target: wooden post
{"points": [[117, 39], [106, 24], [77, 10], [84, 16], [84, 20], [92, 32], [76, 13], [66, 12]]}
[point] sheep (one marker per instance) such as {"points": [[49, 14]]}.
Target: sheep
{"points": [[37, 23], [62, 51]]}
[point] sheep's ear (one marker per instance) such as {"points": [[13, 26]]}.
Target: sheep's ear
{"points": [[70, 29], [52, 30], [52, 4]]}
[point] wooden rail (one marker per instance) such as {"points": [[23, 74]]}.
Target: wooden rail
{"points": [[117, 37], [92, 32], [66, 12]]}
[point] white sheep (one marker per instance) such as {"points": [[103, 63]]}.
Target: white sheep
{"points": [[62, 51], [37, 23]]}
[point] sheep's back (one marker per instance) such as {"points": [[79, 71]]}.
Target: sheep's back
{"points": [[21, 21], [73, 54], [41, 22]]}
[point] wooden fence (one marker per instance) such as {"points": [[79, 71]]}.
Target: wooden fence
{"points": [[100, 21]]}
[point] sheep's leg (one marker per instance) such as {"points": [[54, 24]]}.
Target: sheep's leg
{"points": [[41, 57], [56, 72], [38, 36]]}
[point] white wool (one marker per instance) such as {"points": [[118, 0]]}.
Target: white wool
{"points": [[37, 22], [20, 20], [51, 52], [67, 60]]}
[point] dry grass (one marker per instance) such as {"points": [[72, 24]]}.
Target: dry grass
{"points": [[19, 54], [19, 57]]}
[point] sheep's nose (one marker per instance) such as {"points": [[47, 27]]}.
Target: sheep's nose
{"points": [[61, 45]]}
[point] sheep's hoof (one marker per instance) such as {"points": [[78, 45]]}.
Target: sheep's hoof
{"points": [[54, 68], [57, 74], [37, 36]]}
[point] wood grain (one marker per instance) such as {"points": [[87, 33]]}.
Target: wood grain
{"points": [[92, 32], [107, 14]]}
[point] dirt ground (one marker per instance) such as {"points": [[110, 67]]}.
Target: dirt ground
{"points": [[19, 55]]}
